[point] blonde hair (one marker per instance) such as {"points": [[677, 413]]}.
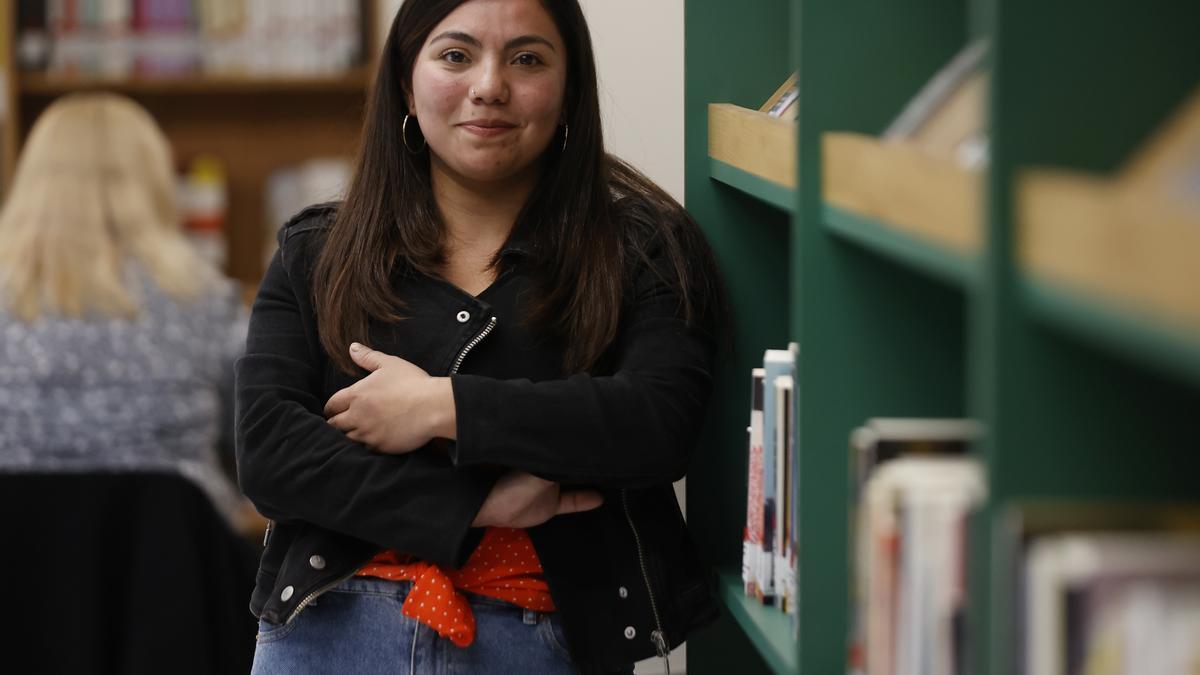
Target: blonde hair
{"points": [[94, 188]]}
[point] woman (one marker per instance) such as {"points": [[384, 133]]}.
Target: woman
{"points": [[118, 338], [536, 320]]}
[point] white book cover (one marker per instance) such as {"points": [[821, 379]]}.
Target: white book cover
{"points": [[752, 550], [909, 543]]}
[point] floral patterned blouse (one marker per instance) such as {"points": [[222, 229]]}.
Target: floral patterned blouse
{"points": [[112, 394]]}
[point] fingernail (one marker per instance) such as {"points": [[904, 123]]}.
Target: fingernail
{"points": [[355, 347]]}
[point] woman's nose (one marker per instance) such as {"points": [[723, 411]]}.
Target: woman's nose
{"points": [[490, 86]]}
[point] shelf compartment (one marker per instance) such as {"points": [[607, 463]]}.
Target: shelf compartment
{"points": [[927, 256], [1171, 350], [755, 186], [46, 84], [1117, 266], [897, 184], [769, 629], [753, 152]]}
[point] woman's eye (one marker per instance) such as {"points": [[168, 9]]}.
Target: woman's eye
{"points": [[527, 59], [454, 56]]}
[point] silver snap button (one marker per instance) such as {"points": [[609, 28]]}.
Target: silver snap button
{"points": [[317, 562], [623, 592], [464, 316], [287, 595], [630, 633]]}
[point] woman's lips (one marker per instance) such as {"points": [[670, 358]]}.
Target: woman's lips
{"points": [[487, 129]]}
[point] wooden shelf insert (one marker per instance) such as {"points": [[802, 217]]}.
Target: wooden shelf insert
{"points": [[899, 184], [753, 142], [1117, 265], [1131, 240]]}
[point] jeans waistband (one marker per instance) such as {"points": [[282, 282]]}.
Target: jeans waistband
{"points": [[401, 589]]}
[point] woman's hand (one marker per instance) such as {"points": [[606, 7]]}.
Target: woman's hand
{"points": [[397, 408], [522, 500]]}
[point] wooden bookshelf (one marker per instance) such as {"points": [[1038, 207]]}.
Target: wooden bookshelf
{"points": [[40, 84], [254, 124], [753, 152], [1035, 296]]}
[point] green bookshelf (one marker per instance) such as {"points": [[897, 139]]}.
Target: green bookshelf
{"points": [[1082, 401], [769, 629], [1125, 331], [923, 255], [760, 188]]}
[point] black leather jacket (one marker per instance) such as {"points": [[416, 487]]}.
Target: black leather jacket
{"points": [[622, 575]]}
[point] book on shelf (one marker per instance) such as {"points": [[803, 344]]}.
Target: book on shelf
{"points": [[752, 537], [793, 509], [120, 38], [946, 117], [1108, 587], [785, 556], [769, 540], [291, 188], [915, 488], [776, 363], [885, 438], [782, 103], [1112, 602]]}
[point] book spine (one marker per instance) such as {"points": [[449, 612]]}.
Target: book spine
{"points": [[783, 433], [752, 541], [776, 363]]}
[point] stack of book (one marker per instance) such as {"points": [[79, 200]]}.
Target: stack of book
{"points": [[769, 541], [1122, 602], [118, 38], [291, 188], [915, 487]]}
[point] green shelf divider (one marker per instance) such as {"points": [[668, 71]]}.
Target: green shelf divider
{"points": [[920, 254], [1143, 338], [755, 186], [769, 629]]}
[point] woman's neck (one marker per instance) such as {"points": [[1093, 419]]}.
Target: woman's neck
{"points": [[478, 216]]}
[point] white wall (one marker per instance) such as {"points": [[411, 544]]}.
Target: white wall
{"points": [[639, 59], [639, 54]]}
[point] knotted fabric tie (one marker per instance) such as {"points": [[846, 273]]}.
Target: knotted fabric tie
{"points": [[503, 566]]}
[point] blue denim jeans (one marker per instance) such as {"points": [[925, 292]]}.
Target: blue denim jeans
{"points": [[358, 628]]}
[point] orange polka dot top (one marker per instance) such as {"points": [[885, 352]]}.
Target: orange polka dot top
{"points": [[503, 566]]}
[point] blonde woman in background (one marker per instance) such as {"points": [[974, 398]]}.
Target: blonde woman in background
{"points": [[117, 337]]}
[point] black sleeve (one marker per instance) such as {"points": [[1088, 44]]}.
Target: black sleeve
{"points": [[294, 466], [633, 428]]}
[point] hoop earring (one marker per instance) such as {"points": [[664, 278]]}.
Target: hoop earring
{"points": [[566, 133], [404, 138]]}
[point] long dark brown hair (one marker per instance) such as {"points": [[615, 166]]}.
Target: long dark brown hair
{"points": [[583, 222]]}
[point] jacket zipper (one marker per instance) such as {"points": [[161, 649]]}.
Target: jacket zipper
{"points": [[656, 636], [471, 345], [320, 591], [327, 587]]}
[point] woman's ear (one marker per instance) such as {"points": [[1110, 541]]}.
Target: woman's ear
{"points": [[409, 102]]}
